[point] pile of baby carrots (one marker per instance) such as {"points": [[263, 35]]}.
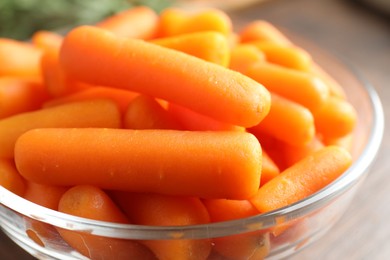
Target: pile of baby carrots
{"points": [[168, 119]]}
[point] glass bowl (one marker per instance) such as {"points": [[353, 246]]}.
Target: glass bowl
{"points": [[33, 227]]}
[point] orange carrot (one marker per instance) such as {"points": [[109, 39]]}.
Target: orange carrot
{"points": [[269, 168], [121, 97], [10, 177], [243, 56], [191, 120], [272, 147], [287, 121], [46, 40], [146, 113], [45, 195], [204, 164], [207, 45], [164, 73], [302, 179], [163, 210], [18, 95], [336, 118], [18, 58], [261, 30], [293, 153], [92, 203], [334, 87], [94, 113], [298, 86], [170, 20], [138, 22], [345, 141]]}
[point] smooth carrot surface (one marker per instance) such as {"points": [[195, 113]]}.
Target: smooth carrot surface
{"points": [[10, 177], [94, 113], [302, 179], [164, 73], [243, 56], [335, 88], [45, 195], [269, 169], [139, 22], [161, 210], [92, 203], [46, 40], [145, 112], [294, 153], [204, 164], [261, 30]]}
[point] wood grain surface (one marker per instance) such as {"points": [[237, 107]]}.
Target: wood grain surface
{"points": [[363, 37]]}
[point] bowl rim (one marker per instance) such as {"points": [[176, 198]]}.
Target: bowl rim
{"points": [[254, 223]]}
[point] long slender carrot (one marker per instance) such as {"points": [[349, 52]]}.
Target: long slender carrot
{"points": [[94, 113], [261, 30], [302, 179], [91, 202], [139, 22], [163, 73], [163, 210], [18, 95], [204, 164], [301, 87], [243, 56], [207, 45], [10, 177]]}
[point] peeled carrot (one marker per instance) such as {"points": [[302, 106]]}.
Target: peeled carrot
{"points": [[145, 112], [170, 20], [164, 73], [261, 30], [301, 87], [45, 195], [10, 177], [207, 45], [18, 58], [94, 113], [294, 153], [193, 121], [46, 40], [269, 169], [336, 118], [138, 22], [243, 56], [345, 141], [161, 210], [287, 121], [334, 87], [204, 164], [302, 179], [18, 95], [92, 203]]}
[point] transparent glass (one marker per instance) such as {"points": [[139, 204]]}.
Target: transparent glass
{"points": [[35, 228]]}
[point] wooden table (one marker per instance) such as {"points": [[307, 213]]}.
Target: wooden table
{"points": [[363, 37]]}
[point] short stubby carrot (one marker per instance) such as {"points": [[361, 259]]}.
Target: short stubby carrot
{"points": [[302, 179], [10, 177], [45, 195], [164, 73], [242, 56], [261, 30], [46, 40], [92, 113], [172, 162], [269, 168]]}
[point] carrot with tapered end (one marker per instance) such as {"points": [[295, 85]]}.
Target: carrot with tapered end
{"points": [[162, 210], [209, 45], [163, 73], [293, 153], [287, 121], [204, 164], [121, 97], [138, 22], [193, 121], [298, 86], [18, 58], [93, 203], [345, 141], [45, 195], [145, 112], [261, 30], [304, 178], [336, 118], [335, 88], [18, 95], [269, 168], [46, 40], [170, 20], [10, 177], [94, 113], [243, 56], [251, 245]]}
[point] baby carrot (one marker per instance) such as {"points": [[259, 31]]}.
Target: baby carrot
{"points": [[269, 169], [207, 45], [295, 153], [170, 20], [45, 195], [18, 58], [298, 86], [46, 40], [164, 73], [18, 95], [10, 177], [92, 203], [287, 121], [162, 210], [334, 87], [145, 112], [204, 164], [243, 56], [345, 141], [138, 22], [261, 30], [94, 113], [302, 179]]}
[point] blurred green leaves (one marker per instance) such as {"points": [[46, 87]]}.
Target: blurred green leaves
{"points": [[19, 19]]}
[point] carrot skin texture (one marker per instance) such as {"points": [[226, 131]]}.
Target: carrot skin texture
{"points": [[163, 73], [204, 164], [94, 113], [10, 177]]}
